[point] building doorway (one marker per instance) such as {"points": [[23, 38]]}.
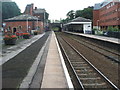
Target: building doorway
{"points": [[14, 30]]}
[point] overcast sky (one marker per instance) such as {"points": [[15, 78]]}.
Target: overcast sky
{"points": [[57, 8]]}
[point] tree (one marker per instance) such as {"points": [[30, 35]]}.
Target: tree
{"points": [[46, 15], [86, 13], [78, 13], [9, 9], [71, 15]]}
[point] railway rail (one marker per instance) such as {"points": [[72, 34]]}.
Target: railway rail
{"points": [[85, 74], [112, 55]]}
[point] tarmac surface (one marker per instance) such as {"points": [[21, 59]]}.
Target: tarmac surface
{"points": [[14, 70], [9, 51]]}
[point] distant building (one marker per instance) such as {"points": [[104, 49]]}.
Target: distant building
{"points": [[38, 12], [23, 23], [106, 14], [31, 19], [29, 9], [79, 24]]}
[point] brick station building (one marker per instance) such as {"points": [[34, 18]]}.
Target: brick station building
{"points": [[32, 19], [106, 14], [23, 23]]}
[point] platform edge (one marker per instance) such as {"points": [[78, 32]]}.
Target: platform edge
{"points": [[69, 82]]}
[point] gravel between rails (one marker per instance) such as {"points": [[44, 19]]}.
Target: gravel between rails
{"points": [[14, 71]]}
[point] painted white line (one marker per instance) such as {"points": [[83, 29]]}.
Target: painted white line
{"points": [[70, 85], [14, 53], [28, 79]]}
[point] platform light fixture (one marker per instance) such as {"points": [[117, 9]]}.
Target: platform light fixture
{"points": [[98, 24]]}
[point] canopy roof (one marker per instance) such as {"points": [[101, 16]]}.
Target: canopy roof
{"points": [[80, 19]]}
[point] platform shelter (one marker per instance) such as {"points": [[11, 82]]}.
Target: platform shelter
{"points": [[79, 24]]}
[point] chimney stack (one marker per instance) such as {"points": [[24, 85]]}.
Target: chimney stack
{"points": [[35, 8]]}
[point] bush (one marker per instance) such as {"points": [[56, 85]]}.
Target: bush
{"points": [[113, 32], [94, 29], [110, 28], [10, 37], [26, 35], [35, 32]]}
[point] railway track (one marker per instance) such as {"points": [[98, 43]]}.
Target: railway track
{"points": [[114, 56], [86, 75]]}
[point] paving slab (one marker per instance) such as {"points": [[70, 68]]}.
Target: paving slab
{"points": [[16, 49]]}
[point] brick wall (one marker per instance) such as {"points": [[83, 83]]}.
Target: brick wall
{"points": [[96, 17], [23, 24], [29, 9], [39, 15], [107, 15]]}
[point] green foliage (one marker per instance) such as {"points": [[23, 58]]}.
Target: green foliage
{"points": [[110, 28], [71, 14], [55, 29], [46, 15], [64, 20], [116, 29], [86, 13], [9, 9], [94, 29], [49, 21]]}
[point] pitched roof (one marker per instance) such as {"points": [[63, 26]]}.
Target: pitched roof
{"points": [[39, 11], [22, 17], [80, 19], [104, 3]]}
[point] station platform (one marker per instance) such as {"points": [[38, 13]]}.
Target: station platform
{"points": [[45, 65], [55, 72], [103, 38]]}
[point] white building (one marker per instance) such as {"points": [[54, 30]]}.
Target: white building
{"points": [[79, 24]]}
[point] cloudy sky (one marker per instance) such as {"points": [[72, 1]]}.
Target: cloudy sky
{"points": [[57, 8]]}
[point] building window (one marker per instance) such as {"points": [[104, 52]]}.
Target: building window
{"points": [[9, 28], [118, 9], [19, 27]]}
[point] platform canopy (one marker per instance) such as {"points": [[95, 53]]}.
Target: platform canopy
{"points": [[79, 24]]}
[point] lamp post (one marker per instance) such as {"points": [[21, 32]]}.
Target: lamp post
{"points": [[118, 21], [37, 24], [44, 20], [27, 24], [37, 21], [3, 25], [98, 24]]}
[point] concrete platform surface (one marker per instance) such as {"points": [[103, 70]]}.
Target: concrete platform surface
{"points": [[54, 75], [108, 39], [16, 49]]}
